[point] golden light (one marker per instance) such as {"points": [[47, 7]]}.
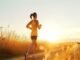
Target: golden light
{"points": [[41, 48], [50, 34]]}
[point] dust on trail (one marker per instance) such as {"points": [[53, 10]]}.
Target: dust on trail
{"points": [[65, 51]]}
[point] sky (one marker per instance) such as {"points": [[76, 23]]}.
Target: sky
{"points": [[58, 17]]}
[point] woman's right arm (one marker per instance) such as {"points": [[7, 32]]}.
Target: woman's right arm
{"points": [[29, 25]]}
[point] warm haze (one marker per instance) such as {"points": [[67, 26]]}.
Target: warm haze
{"points": [[59, 36], [60, 19]]}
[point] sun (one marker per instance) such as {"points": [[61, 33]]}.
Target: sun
{"points": [[50, 34]]}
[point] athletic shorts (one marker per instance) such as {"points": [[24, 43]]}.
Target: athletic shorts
{"points": [[33, 37]]}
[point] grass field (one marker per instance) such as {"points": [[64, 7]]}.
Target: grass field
{"points": [[12, 46]]}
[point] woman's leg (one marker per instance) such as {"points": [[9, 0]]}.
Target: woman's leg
{"points": [[34, 40]]}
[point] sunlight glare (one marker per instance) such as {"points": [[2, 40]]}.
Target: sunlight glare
{"points": [[50, 34]]}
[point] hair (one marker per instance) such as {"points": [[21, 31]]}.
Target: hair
{"points": [[33, 14]]}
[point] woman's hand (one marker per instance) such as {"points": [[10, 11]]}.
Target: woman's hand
{"points": [[40, 26], [28, 26]]}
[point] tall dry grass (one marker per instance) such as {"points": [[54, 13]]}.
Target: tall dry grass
{"points": [[12, 44]]}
